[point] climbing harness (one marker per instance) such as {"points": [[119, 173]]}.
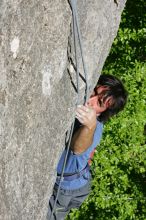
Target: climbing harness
{"points": [[75, 176], [77, 38]]}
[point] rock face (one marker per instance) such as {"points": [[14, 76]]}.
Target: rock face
{"points": [[37, 97]]}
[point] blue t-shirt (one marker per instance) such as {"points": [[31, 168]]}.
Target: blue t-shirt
{"points": [[77, 162]]}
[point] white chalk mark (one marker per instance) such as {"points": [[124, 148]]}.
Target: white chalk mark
{"points": [[46, 85], [71, 68], [15, 46]]}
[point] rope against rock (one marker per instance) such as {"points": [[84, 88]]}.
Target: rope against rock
{"points": [[77, 38]]}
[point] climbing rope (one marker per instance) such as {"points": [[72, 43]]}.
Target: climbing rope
{"points": [[77, 39]]}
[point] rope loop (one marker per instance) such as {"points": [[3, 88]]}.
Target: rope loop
{"points": [[77, 40]]}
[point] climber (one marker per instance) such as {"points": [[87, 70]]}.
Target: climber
{"points": [[108, 98]]}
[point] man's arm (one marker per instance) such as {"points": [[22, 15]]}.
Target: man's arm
{"points": [[83, 137]]}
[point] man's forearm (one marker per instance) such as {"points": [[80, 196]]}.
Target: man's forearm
{"points": [[82, 139]]}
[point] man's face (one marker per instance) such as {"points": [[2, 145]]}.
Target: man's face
{"points": [[96, 100]]}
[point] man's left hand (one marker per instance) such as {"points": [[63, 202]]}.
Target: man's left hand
{"points": [[86, 116]]}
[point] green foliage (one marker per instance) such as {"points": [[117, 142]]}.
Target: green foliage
{"points": [[119, 166]]}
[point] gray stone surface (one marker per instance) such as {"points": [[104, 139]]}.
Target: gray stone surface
{"points": [[37, 99]]}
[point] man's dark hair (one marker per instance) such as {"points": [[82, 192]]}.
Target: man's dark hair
{"points": [[118, 93]]}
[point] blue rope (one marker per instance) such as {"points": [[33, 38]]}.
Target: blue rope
{"points": [[77, 37]]}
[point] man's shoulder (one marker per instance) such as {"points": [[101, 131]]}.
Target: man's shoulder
{"points": [[99, 124]]}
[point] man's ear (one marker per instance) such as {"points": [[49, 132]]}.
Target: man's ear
{"points": [[108, 102]]}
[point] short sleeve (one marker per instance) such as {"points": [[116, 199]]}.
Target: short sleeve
{"points": [[77, 162]]}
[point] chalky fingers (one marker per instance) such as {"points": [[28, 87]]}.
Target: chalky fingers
{"points": [[81, 114]]}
